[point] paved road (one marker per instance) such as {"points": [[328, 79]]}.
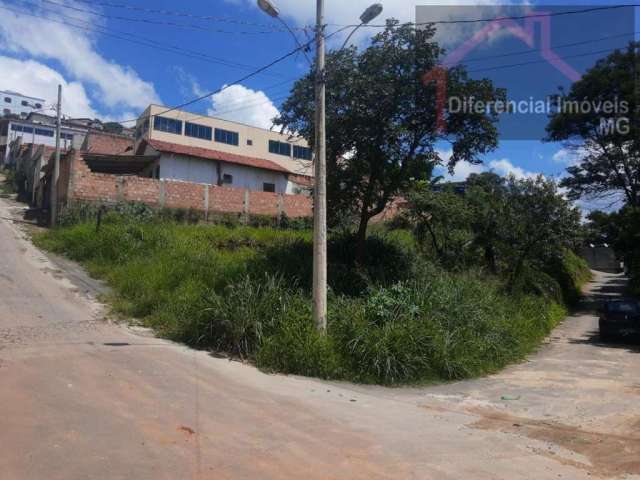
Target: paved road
{"points": [[82, 398]]}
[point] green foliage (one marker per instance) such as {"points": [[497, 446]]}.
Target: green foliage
{"points": [[9, 185], [387, 260], [409, 321], [381, 133], [509, 226], [609, 162]]}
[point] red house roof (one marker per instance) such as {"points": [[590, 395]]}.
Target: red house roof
{"points": [[210, 154]]}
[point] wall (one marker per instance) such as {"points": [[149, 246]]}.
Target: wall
{"points": [[190, 169], [15, 105], [258, 136], [87, 186]]}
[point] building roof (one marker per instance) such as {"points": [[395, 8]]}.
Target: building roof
{"points": [[118, 164], [210, 154], [107, 144]]}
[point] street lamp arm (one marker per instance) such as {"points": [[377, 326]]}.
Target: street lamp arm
{"points": [[351, 34]]}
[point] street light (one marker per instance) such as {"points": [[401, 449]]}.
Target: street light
{"points": [[320, 161], [369, 14], [268, 7]]}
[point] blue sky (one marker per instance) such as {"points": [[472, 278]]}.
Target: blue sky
{"points": [[114, 79]]}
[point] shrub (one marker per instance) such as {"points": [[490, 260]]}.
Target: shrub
{"points": [[244, 291]]}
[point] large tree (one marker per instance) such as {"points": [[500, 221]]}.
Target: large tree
{"points": [[607, 142], [381, 120]]}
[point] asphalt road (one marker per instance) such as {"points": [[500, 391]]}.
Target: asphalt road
{"points": [[83, 398]]}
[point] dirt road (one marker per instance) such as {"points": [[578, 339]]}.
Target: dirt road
{"points": [[81, 398]]}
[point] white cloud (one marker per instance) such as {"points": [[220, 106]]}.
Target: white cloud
{"points": [[38, 80], [569, 156], [504, 167], [346, 13], [116, 86], [241, 104], [462, 170]]}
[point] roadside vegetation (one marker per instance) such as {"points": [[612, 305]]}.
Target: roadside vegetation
{"points": [[411, 312]]}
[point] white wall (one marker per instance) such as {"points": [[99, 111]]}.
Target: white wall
{"points": [[196, 170], [15, 105], [188, 169]]}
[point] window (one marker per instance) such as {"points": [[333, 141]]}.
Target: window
{"points": [[302, 153], [269, 187], [66, 136], [280, 148], [169, 125], [38, 105], [27, 129], [7, 99], [24, 103], [16, 128], [7, 111], [225, 136], [44, 132], [249, 142], [197, 131], [227, 179]]}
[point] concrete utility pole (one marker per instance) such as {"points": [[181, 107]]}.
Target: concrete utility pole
{"points": [[320, 191], [56, 164], [320, 160]]}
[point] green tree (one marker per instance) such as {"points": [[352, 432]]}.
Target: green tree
{"points": [[610, 157], [381, 117], [537, 225], [442, 221], [113, 127]]}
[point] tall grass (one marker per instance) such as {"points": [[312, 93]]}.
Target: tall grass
{"points": [[245, 291]]}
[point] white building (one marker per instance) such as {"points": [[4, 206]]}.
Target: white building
{"points": [[36, 133], [14, 103], [202, 149]]}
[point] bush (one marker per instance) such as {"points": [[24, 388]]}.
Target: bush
{"points": [[388, 260], [244, 291]]}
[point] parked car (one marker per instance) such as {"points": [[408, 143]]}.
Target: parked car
{"points": [[619, 318]]}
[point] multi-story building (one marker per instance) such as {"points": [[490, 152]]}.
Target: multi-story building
{"points": [[37, 129], [202, 149], [14, 103]]}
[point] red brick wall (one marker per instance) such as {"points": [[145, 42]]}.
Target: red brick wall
{"points": [[226, 199], [297, 206], [263, 203], [183, 195], [105, 188]]}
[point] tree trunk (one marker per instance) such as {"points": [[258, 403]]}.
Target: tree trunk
{"points": [[361, 236]]}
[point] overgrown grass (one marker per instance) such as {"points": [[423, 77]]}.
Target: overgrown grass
{"points": [[245, 291], [7, 185]]}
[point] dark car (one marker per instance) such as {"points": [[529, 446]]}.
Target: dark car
{"points": [[619, 318]]}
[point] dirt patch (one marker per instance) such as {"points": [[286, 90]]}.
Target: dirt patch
{"points": [[609, 454]]}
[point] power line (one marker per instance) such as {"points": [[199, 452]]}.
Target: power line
{"points": [[554, 47], [180, 14], [139, 40], [236, 82], [533, 62], [159, 22], [517, 17]]}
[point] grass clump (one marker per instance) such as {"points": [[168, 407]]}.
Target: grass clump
{"points": [[244, 291]]}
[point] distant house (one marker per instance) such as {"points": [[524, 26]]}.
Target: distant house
{"points": [[14, 103], [110, 168], [203, 149], [37, 129]]}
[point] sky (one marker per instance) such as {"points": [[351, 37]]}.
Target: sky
{"points": [[115, 57]]}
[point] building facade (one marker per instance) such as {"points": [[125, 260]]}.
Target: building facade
{"points": [[39, 130], [14, 103], [249, 157]]}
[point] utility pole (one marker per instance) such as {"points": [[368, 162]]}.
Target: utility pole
{"points": [[320, 190], [56, 164]]}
